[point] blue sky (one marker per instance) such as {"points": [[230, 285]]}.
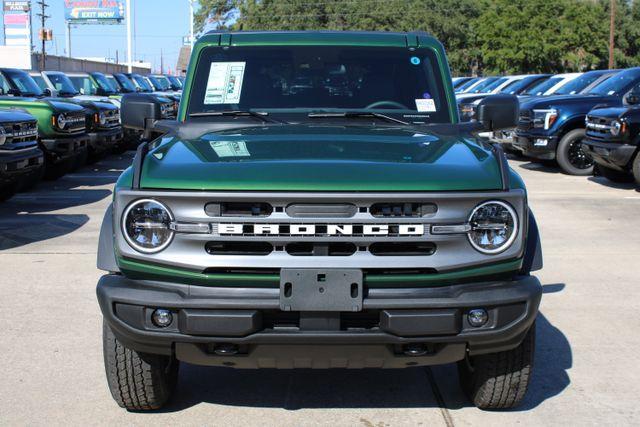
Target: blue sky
{"points": [[159, 24]]}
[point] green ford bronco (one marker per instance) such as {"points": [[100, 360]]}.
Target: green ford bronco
{"points": [[318, 204]]}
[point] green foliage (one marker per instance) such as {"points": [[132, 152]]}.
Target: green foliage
{"points": [[481, 36]]}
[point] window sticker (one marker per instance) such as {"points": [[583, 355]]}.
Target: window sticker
{"points": [[230, 148], [426, 105], [225, 83]]}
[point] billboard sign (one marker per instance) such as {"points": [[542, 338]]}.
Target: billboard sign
{"points": [[16, 6], [16, 23], [94, 11]]}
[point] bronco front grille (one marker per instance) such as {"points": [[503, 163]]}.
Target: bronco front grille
{"points": [[18, 132], [76, 122], [599, 128]]}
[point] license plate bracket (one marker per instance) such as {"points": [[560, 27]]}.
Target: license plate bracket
{"points": [[311, 289]]}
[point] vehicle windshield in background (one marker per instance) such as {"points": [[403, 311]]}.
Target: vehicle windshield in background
{"points": [[494, 84], [142, 82], [578, 84], [112, 82], [467, 84], [518, 86], [104, 84], [24, 83], [63, 85], [176, 84], [39, 81], [84, 85], [618, 84], [304, 79], [124, 82], [480, 88], [541, 88], [160, 83]]}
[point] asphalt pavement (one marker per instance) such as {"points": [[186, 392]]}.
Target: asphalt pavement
{"points": [[586, 370]]}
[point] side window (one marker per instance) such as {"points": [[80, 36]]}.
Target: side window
{"points": [[4, 85]]}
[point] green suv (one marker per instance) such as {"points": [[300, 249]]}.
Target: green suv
{"points": [[318, 204], [62, 132]]}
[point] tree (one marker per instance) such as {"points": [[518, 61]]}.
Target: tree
{"points": [[218, 13]]}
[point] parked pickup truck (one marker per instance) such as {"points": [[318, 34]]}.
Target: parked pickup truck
{"points": [[350, 223], [21, 161], [613, 140], [62, 132], [103, 117], [553, 127]]}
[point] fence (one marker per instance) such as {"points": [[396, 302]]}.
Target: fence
{"points": [[62, 63]]}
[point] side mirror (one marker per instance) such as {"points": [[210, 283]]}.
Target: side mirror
{"points": [[139, 111], [47, 92], [633, 98], [498, 112], [14, 92], [81, 91]]}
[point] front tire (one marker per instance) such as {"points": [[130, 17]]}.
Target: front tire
{"points": [[137, 381], [499, 380], [570, 155]]}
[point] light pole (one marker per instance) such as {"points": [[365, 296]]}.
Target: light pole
{"points": [[191, 2], [129, 20]]}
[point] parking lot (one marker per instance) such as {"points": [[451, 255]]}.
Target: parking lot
{"points": [[585, 370]]}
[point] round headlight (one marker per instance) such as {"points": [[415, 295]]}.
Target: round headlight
{"points": [[102, 118], [3, 136], [145, 224], [62, 121], [616, 127], [494, 226]]}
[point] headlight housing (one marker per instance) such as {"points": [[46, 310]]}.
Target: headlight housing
{"points": [[146, 226], [61, 121], [617, 127], [494, 227], [544, 118], [102, 118]]}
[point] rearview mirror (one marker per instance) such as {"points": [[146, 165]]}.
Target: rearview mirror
{"points": [[498, 112], [633, 98]]}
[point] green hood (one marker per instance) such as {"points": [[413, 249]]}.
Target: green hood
{"points": [[323, 158]]}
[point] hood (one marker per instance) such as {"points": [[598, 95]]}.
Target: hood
{"points": [[323, 158], [558, 101], [64, 106], [102, 105], [14, 115]]}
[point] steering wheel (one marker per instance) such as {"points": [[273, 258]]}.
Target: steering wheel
{"points": [[389, 103]]}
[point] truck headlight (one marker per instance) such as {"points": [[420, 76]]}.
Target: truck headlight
{"points": [[3, 136], [102, 118], [494, 226], [61, 121], [468, 110], [544, 118], [617, 127], [145, 224]]}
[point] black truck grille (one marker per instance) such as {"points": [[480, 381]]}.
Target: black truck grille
{"points": [[17, 132], [525, 120], [600, 128]]}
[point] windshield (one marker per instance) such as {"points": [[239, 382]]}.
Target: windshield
{"points": [[518, 86], [480, 87], [176, 84], [112, 82], [303, 79], [39, 81], [62, 84], [493, 85], [467, 84], [578, 84], [104, 84], [159, 82], [541, 88], [84, 85], [23, 82], [142, 83], [124, 82], [618, 84]]}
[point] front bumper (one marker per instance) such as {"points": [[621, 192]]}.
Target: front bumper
{"points": [[612, 155], [16, 164], [526, 143], [64, 147], [391, 321], [104, 140]]}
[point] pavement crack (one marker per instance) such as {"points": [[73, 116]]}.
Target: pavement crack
{"points": [[439, 399]]}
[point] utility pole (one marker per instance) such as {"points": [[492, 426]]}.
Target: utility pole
{"points": [[191, 40], [43, 36], [161, 62], [68, 39], [612, 24], [129, 19]]}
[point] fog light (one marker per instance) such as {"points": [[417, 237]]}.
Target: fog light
{"points": [[540, 142], [161, 317], [477, 317]]}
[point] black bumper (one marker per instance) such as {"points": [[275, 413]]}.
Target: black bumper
{"points": [[104, 140], [64, 147], [16, 164], [392, 321], [612, 155], [526, 144]]}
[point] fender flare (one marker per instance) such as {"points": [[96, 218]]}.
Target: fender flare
{"points": [[532, 260], [106, 253]]}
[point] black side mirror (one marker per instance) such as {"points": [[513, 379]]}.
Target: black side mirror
{"points": [[498, 112], [14, 92], [633, 98], [47, 92], [139, 111]]}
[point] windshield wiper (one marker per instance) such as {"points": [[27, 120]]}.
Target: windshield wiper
{"points": [[356, 114], [260, 115]]}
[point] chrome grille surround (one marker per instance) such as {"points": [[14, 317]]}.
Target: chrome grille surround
{"points": [[76, 123], [194, 229], [17, 132]]}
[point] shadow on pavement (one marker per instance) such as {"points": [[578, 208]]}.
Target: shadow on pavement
{"points": [[617, 185], [547, 167], [403, 388]]}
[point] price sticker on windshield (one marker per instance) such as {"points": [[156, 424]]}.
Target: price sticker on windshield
{"points": [[426, 105], [225, 83]]}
